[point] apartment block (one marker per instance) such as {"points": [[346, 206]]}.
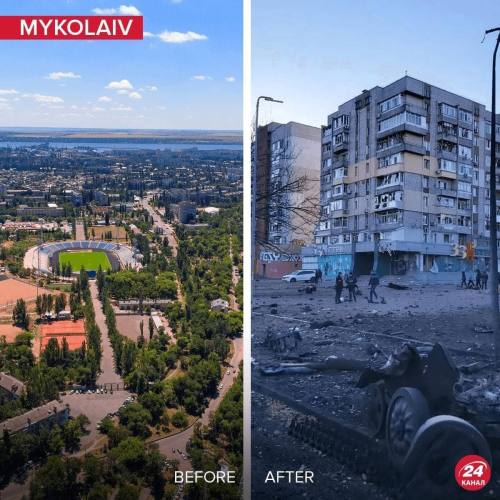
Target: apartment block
{"points": [[288, 184], [404, 179], [289, 155]]}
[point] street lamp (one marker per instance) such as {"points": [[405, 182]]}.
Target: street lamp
{"points": [[253, 257], [493, 207]]}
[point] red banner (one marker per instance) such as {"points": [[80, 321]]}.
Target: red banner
{"points": [[71, 28]]}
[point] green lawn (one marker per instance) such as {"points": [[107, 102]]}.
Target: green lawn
{"points": [[89, 260]]}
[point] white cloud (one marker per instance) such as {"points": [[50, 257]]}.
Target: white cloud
{"points": [[44, 99], [123, 10], [120, 85], [104, 98], [98, 109], [179, 37], [58, 75], [129, 10], [202, 78], [151, 88], [122, 92], [122, 108], [148, 34], [230, 79], [135, 95], [8, 92]]}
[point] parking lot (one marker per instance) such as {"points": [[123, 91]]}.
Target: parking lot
{"points": [[95, 406]]}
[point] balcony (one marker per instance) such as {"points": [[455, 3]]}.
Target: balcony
{"points": [[343, 145], [339, 162], [452, 193], [441, 117], [342, 209], [446, 174], [400, 147], [327, 134], [446, 135], [388, 188], [447, 155], [464, 195], [388, 205]]}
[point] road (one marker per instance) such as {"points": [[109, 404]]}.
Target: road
{"points": [[179, 441], [108, 374], [79, 230], [158, 221], [235, 278]]}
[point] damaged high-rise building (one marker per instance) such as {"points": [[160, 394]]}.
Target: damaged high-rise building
{"points": [[404, 180]]}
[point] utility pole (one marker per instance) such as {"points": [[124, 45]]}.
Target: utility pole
{"points": [[493, 208], [253, 257]]}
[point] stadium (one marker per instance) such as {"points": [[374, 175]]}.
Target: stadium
{"points": [[48, 258]]}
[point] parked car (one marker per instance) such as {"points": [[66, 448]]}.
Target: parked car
{"points": [[303, 275]]}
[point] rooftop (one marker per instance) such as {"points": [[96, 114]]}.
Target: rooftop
{"points": [[11, 384], [34, 416]]}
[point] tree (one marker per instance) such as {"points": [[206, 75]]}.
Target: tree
{"points": [[179, 419], [154, 403], [72, 433], [39, 308], [128, 491], [136, 418], [151, 325], [141, 341], [101, 279], [56, 442], [60, 303], [20, 316], [52, 353], [56, 479]]}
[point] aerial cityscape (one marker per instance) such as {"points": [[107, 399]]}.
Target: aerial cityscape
{"points": [[121, 257], [121, 320]]}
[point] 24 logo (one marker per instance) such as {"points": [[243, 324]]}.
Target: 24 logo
{"points": [[472, 472]]}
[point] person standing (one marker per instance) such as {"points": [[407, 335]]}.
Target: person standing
{"points": [[319, 276], [373, 283], [485, 280], [351, 286], [464, 280], [478, 279], [339, 286]]}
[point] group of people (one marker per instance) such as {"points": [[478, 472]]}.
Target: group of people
{"points": [[351, 283], [481, 282]]}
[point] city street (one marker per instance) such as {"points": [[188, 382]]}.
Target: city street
{"points": [[422, 314], [158, 221]]}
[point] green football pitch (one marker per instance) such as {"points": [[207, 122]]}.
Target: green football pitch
{"points": [[89, 260]]}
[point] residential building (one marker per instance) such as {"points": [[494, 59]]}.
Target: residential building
{"points": [[33, 420], [185, 211], [220, 305], [287, 192], [10, 387], [404, 178], [51, 210]]}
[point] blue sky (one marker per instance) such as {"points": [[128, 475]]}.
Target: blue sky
{"points": [[317, 54], [194, 84]]}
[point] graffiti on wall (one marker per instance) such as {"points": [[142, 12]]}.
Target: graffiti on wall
{"points": [[267, 256], [331, 265]]}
